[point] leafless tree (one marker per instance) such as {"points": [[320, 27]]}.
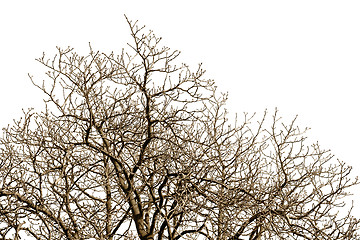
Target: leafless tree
{"points": [[132, 146]]}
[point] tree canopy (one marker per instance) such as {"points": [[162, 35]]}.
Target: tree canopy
{"points": [[138, 146]]}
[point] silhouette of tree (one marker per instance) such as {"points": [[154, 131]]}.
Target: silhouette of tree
{"points": [[134, 146]]}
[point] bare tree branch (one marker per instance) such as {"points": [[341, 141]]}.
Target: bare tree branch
{"points": [[133, 146]]}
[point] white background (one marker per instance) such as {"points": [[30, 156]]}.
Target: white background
{"points": [[300, 56]]}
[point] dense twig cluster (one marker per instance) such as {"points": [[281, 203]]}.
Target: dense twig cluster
{"points": [[135, 147]]}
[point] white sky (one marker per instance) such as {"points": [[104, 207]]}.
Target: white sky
{"points": [[300, 56]]}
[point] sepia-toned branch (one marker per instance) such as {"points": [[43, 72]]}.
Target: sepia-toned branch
{"points": [[138, 146]]}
